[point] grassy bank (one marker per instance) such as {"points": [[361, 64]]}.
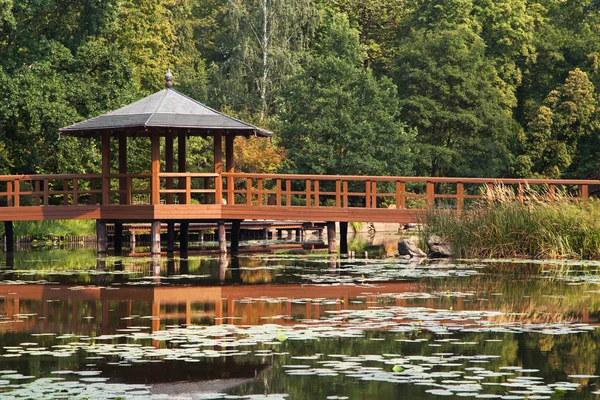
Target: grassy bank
{"points": [[503, 227], [47, 230]]}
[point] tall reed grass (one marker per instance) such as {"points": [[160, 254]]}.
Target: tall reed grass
{"points": [[505, 225]]}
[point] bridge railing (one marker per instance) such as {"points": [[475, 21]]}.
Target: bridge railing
{"points": [[284, 190], [95, 189], [343, 191]]}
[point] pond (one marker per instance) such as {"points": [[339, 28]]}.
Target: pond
{"points": [[296, 325]]}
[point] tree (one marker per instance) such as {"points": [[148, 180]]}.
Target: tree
{"points": [[568, 115], [337, 118], [262, 47], [450, 92]]}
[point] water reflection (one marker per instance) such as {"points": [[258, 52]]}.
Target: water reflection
{"points": [[310, 325]]}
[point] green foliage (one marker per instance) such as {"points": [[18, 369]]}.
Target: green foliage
{"points": [[568, 114], [512, 82], [449, 92], [337, 118], [45, 230]]}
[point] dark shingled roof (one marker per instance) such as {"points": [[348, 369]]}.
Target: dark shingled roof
{"points": [[165, 109]]}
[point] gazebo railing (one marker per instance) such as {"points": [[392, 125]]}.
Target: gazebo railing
{"points": [[114, 189]]}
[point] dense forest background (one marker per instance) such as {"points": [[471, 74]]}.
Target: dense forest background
{"points": [[394, 87]]}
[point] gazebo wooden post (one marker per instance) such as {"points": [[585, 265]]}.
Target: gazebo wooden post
{"points": [[123, 192], [169, 186], [155, 192], [169, 165], [218, 157], [181, 167], [230, 165], [343, 237], [105, 168], [155, 180]]}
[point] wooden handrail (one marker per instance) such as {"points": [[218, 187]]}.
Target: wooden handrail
{"points": [[416, 179], [253, 189]]}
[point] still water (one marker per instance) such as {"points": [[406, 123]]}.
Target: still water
{"points": [[296, 326]]}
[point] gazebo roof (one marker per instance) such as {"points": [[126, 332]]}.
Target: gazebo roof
{"points": [[167, 110]]}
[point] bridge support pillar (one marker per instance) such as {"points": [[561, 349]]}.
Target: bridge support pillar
{"points": [[331, 237], [101, 237], [222, 237], [170, 236], [118, 238], [235, 236], [343, 238], [184, 229], [9, 236], [155, 238]]}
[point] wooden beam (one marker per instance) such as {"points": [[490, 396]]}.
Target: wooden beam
{"points": [[331, 241], [222, 237], [218, 158], [101, 237], [230, 165], [169, 164], [155, 180], [155, 238], [9, 236], [105, 168], [181, 163], [343, 237], [123, 198], [235, 236], [118, 239]]}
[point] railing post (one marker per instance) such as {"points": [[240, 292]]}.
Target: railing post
{"points": [[46, 192], [460, 196], [9, 194], [374, 194], [75, 192], [230, 190], [17, 188], [345, 193], [65, 192], [551, 193], [288, 193], [317, 200], [490, 188], [259, 185], [249, 191], [400, 195], [584, 189], [188, 189], [368, 194], [219, 189], [308, 183], [430, 190], [338, 193], [129, 196], [278, 192]]}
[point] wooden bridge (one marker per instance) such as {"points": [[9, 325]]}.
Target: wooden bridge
{"points": [[170, 196]]}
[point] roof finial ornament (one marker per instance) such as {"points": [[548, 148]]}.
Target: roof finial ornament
{"points": [[169, 79]]}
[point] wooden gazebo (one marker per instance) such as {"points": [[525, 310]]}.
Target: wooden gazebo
{"points": [[165, 114]]}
